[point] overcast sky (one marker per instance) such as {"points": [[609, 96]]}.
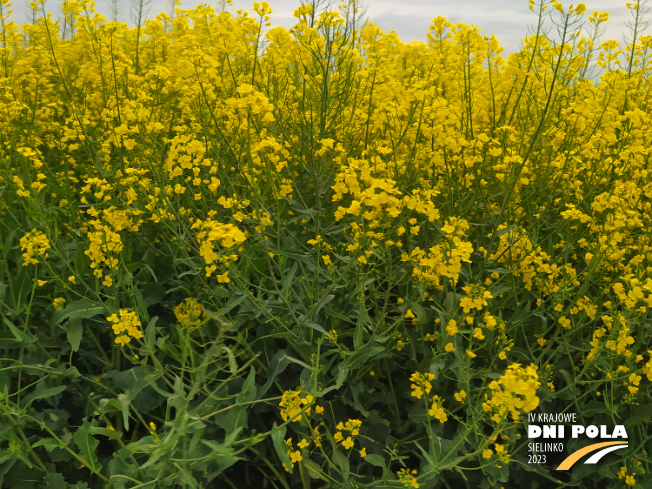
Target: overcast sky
{"points": [[507, 19]]}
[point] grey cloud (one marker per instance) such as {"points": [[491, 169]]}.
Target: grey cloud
{"points": [[508, 20]]}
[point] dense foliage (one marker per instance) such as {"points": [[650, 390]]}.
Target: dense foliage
{"points": [[236, 255]]}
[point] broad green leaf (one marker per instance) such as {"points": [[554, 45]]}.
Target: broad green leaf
{"points": [[288, 280], [111, 434], [222, 454], [277, 365], [358, 335], [375, 460], [324, 301], [233, 302], [152, 294], [304, 321], [55, 481], [74, 329], [363, 356], [141, 308], [14, 330], [314, 470], [123, 399], [278, 438], [340, 460], [20, 286], [233, 366], [82, 309], [235, 420], [42, 394], [48, 443], [248, 393], [339, 381], [87, 445], [150, 332]]}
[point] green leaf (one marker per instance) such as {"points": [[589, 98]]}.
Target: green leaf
{"points": [[222, 454], [278, 437], [123, 399], [375, 460], [111, 434], [233, 302], [42, 394], [150, 333], [134, 380], [233, 366], [79, 485], [304, 321], [20, 286], [141, 308], [248, 393], [496, 290], [152, 294], [633, 421], [339, 381], [303, 364], [74, 330], [82, 309], [567, 377], [314, 470], [56, 481], [358, 335], [419, 312], [234, 421], [237, 416], [5, 466], [449, 302], [318, 307], [277, 365], [288, 280], [87, 445], [343, 462], [48, 443], [363, 356], [504, 231], [22, 477], [14, 330]]}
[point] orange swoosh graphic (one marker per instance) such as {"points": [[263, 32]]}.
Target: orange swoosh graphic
{"points": [[575, 456]]}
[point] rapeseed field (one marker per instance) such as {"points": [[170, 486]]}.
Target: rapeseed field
{"points": [[239, 255]]}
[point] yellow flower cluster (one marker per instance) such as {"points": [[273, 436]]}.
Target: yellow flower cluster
{"points": [[515, 250], [34, 245], [189, 313], [421, 383], [126, 326], [460, 396], [513, 393], [619, 340], [476, 298], [105, 242], [353, 427], [407, 478], [630, 480], [293, 406], [226, 235], [647, 368], [437, 411], [37, 185], [444, 259], [295, 455], [104, 245]]}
